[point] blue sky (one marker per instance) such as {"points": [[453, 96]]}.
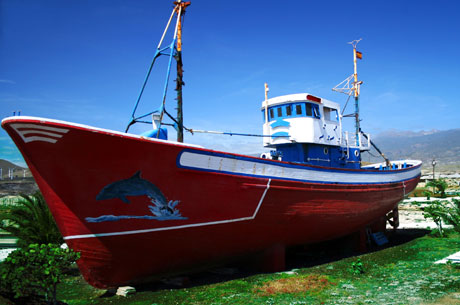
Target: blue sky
{"points": [[85, 61]]}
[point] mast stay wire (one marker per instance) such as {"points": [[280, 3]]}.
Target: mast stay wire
{"points": [[159, 51], [193, 131], [344, 107]]}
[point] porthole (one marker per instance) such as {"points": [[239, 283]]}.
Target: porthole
{"points": [[356, 153], [326, 151]]}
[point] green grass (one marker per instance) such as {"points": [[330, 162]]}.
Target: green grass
{"points": [[403, 274]]}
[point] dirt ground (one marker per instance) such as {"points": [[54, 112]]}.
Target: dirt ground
{"points": [[16, 187]]}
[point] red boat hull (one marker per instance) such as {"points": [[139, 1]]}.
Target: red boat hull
{"points": [[136, 207]]}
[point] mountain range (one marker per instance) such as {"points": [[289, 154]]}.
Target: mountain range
{"points": [[443, 146]]}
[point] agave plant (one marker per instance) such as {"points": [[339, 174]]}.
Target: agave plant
{"points": [[30, 221]]}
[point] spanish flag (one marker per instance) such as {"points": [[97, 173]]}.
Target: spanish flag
{"points": [[359, 55]]}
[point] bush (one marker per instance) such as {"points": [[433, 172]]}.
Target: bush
{"points": [[439, 184], [30, 221], [435, 210], [444, 211], [427, 194], [452, 215], [36, 270], [357, 267]]}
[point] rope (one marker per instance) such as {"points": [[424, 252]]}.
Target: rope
{"points": [[375, 156], [232, 133], [343, 110]]}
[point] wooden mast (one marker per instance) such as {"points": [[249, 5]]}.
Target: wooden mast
{"points": [[180, 10]]}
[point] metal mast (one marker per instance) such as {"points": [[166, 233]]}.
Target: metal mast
{"points": [[356, 87], [351, 86]]}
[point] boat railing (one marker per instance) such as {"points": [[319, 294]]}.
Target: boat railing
{"points": [[363, 143]]}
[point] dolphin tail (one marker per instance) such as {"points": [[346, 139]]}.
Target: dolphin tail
{"points": [[137, 175]]}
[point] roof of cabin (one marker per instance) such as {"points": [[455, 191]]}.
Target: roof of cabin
{"points": [[284, 99]]}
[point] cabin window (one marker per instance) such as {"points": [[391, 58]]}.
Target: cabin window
{"points": [[334, 115], [327, 113], [330, 114], [298, 109], [316, 111], [308, 108]]}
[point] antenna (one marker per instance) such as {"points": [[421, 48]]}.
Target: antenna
{"points": [[351, 86], [266, 102]]}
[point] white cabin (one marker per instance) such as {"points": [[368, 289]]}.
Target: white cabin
{"points": [[301, 118]]}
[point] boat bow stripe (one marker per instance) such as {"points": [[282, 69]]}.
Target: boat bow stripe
{"points": [[34, 132]]}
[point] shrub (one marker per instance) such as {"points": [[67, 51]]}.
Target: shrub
{"points": [[452, 215], [30, 221], [444, 211], [439, 184], [435, 210], [427, 194], [357, 267], [36, 270]]}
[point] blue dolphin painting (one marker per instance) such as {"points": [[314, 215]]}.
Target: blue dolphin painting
{"points": [[133, 186], [136, 186]]}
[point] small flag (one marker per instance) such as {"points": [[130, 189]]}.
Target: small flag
{"points": [[359, 55]]}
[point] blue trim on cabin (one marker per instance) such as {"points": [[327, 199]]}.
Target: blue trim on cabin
{"points": [[280, 123], [280, 134], [287, 165]]}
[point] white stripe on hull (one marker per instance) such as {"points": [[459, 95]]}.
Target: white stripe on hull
{"points": [[192, 225], [238, 166]]}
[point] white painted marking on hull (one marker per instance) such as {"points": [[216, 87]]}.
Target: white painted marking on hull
{"points": [[176, 227], [51, 135]]}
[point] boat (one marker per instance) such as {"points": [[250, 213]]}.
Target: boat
{"points": [[142, 206]]}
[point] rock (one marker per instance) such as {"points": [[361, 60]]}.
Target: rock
{"points": [[126, 290]]}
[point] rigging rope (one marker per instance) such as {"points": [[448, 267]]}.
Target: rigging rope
{"points": [[369, 152], [344, 107], [232, 133]]}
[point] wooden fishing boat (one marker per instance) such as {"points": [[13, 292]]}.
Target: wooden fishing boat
{"points": [[137, 206]]}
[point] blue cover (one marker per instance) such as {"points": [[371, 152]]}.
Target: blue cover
{"points": [[153, 133]]}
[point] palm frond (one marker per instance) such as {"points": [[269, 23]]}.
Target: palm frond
{"points": [[30, 221]]}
